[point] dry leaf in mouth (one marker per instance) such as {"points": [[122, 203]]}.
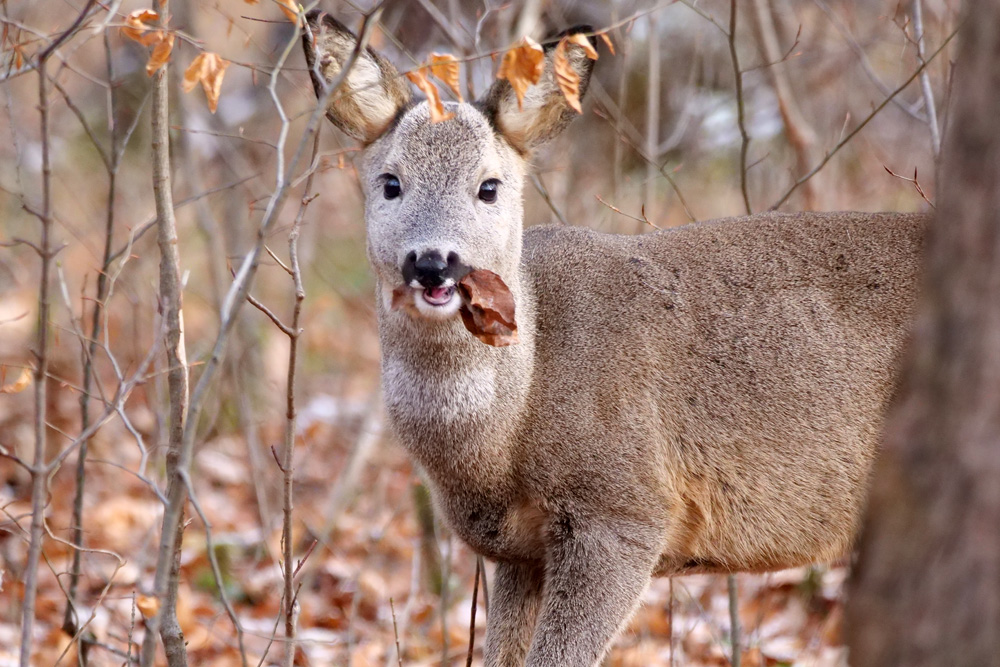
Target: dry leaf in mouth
{"points": [[488, 308]]}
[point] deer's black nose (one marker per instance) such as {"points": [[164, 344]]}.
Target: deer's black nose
{"points": [[429, 269]]}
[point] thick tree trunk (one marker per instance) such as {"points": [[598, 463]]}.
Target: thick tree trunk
{"points": [[926, 590]]}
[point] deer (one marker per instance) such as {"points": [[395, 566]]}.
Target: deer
{"points": [[703, 399]]}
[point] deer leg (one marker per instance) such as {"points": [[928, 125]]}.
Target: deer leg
{"points": [[594, 578], [514, 603]]}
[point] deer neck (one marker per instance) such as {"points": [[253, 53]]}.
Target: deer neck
{"points": [[456, 403]]}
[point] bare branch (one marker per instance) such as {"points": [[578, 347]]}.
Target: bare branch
{"points": [[843, 142]]}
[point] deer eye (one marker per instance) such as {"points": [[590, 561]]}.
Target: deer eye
{"points": [[488, 190], [390, 186]]}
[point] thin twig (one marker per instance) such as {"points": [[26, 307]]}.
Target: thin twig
{"points": [[925, 80], [850, 135], [171, 304], [536, 180], [740, 110], [38, 476], [734, 620], [472, 617], [395, 633], [111, 162]]}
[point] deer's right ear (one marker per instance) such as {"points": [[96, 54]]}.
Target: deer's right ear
{"points": [[373, 93]]}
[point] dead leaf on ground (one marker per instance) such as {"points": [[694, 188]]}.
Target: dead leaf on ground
{"points": [[18, 385], [446, 68], [523, 66], [438, 114], [488, 308], [209, 69], [566, 76]]}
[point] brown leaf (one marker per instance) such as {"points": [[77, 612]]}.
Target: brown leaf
{"points": [[445, 67], [488, 308], [207, 68], [523, 66], [607, 40], [137, 29], [419, 77], [18, 385], [160, 55], [583, 42], [148, 605], [402, 299], [566, 76], [289, 9]]}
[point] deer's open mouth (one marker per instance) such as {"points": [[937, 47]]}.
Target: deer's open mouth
{"points": [[439, 296]]}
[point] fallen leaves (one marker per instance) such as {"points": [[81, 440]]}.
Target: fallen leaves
{"points": [[419, 77], [208, 69], [523, 66], [137, 28], [567, 78], [488, 308]]}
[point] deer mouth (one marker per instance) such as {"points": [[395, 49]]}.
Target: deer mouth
{"points": [[436, 303], [439, 296]]}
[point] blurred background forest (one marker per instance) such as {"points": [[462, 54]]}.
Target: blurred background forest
{"points": [[381, 581]]}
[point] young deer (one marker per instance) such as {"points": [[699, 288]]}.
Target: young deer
{"points": [[702, 399]]}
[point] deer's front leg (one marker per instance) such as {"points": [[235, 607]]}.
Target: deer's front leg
{"points": [[594, 578], [514, 603]]}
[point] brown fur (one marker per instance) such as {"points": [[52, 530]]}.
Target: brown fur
{"points": [[704, 399]]}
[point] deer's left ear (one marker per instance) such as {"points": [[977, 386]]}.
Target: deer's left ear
{"points": [[372, 94], [545, 112]]}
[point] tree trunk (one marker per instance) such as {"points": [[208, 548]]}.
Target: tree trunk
{"points": [[926, 590]]}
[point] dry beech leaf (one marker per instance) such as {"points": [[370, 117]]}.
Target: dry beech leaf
{"points": [[148, 605], [138, 30], [160, 55], [607, 40], [419, 77], [566, 77], [207, 68], [488, 308], [289, 9], [523, 66], [445, 67], [18, 385]]}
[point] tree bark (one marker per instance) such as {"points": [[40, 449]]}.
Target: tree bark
{"points": [[926, 590]]}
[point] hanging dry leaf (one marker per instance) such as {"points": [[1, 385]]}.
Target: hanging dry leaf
{"points": [[567, 77], [148, 605], [136, 27], [583, 42], [445, 67], [208, 68], [289, 9], [607, 41], [523, 66], [18, 385], [488, 308], [419, 77], [160, 55]]}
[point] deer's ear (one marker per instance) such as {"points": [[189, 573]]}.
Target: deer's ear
{"points": [[373, 93], [545, 112]]}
